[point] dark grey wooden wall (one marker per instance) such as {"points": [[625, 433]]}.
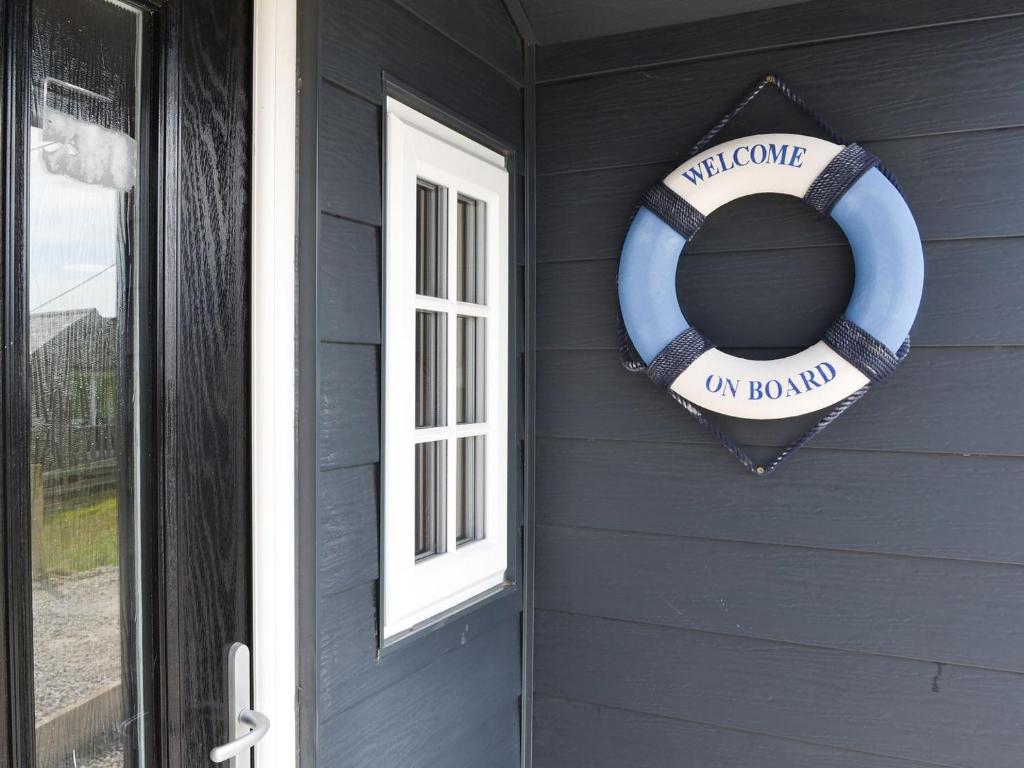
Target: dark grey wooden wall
{"points": [[451, 696], [864, 606]]}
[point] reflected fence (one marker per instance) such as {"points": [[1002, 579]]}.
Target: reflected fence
{"points": [[76, 445]]}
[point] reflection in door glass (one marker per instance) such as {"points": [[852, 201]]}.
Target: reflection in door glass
{"points": [[84, 516]]}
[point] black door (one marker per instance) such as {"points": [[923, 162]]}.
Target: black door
{"points": [[125, 373]]}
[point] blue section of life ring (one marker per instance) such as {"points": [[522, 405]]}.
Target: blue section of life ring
{"points": [[886, 251], [887, 256], [647, 284]]}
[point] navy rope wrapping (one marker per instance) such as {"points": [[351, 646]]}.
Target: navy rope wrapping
{"points": [[673, 210], [863, 351], [677, 356], [848, 340], [839, 175]]}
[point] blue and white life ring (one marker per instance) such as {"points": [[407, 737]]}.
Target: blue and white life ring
{"points": [[864, 345]]}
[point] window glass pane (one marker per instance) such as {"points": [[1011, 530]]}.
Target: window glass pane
{"points": [[431, 239], [472, 216], [431, 362], [83, 228], [471, 332], [470, 490], [431, 497]]}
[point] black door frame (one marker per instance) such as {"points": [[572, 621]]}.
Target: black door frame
{"points": [[194, 374], [16, 533]]}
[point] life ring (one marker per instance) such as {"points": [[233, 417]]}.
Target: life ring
{"points": [[866, 343]]}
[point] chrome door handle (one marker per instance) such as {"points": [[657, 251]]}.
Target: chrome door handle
{"points": [[259, 723], [245, 725]]}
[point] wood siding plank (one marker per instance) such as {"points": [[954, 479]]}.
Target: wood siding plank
{"points": [[347, 528], [493, 742], [349, 409], [928, 81], [348, 292], [572, 734], [935, 505], [952, 612], [786, 298], [482, 27], [586, 215], [812, 22], [349, 156], [949, 715], [965, 400]]}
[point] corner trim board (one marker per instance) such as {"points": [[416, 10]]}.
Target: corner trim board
{"points": [[273, 376]]}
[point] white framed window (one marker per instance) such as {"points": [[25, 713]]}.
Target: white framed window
{"points": [[445, 455]]}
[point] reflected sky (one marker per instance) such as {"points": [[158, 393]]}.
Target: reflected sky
{"points": [[74, 241]]}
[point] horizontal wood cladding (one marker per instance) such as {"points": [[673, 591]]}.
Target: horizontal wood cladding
{"points": [[850, 600], [585, 215], [915, 710], [572, 734], [350, 671], [363, 39], [934, 80], [959, 400], [858, 607], [787, 297], [458, 691], [483, 28], [809, 23], [923, 504]]}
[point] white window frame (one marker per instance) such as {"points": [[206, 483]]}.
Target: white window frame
{"points": [[416, 593]]}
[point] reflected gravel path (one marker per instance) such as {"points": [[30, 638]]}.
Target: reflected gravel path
{"points": [[77, 643], [77, 637]]}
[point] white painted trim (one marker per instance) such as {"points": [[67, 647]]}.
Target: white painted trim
{"points": [[273, 377], [416, 592], [442, 132]]}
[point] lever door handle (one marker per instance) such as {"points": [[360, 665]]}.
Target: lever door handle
{"points": [[246, 726], [257, 721]]}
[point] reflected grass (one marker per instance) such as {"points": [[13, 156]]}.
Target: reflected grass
{"points": [[80, 538]]}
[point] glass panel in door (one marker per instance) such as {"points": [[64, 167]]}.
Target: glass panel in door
{"points": [[85, 508]]}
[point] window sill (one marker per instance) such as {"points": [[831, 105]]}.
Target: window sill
{"points": [[499, 594]]}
